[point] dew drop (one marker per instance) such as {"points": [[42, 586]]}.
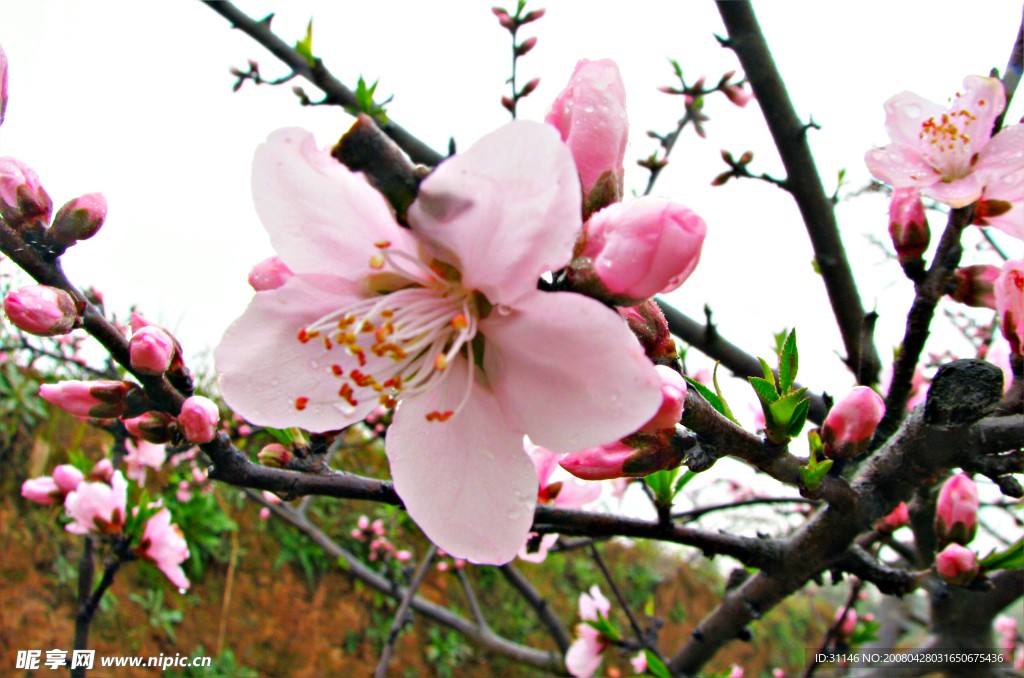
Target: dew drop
{"points": [[588, 108], [314, 364], [182, 591], [274, 382]]}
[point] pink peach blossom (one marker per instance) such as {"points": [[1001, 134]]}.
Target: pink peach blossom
{"points": [[899, 517], [639, 663], [584, 655], [951, 154], [198, 419], [603, 462], [461, 282], [22, 197], [1009, 292], [142, 454], [590, 114], [848, 624], [163, 544], [3, 84], [736, 671], [98, 507]]}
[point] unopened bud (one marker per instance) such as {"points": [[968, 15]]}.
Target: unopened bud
{"points": [[737, 94], [635, 456], [154, 427], [41, 310], [503, 18], [648, 324], [699, 85], [97, 399], [78, 219], [673, 398], [669, 90], [721, 179], [152, 350], [850, 424], [899, 517], [67, 478], [41, 490], [632, 251], [23, 201], [727, 157], [275, 456], [908, 225], [975, 286], [746, 158], [529, 87], [198, 419], [508, 104], [103, 471], [532, 16], [956, 513], [269, 274], [525, 46], [848, 624], [957, 565]]}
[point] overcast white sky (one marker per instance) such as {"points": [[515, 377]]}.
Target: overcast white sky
{"points": [[134, 99]]}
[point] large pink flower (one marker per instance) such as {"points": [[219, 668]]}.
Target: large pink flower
{"points": [[446, 317], [951, 154]]}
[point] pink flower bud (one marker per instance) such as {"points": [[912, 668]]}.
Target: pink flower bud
{"points": [[673, 394], [78, 219], [378, 527], [899, 517], [41, 490], [403, 556], [639, 663], [735, 672], [269, 274], [850, 424], [737, 94], [138, 322], [98, 507], [154, 427], [103, 470], [198, 419], [598, 463], [509, 104], [849, 623], [151, 350], [67, 478], [956, 514], [96, 399], [778, 673], [358, 534], [3, 84], [590, 114], [957, 565], [503, 18], [41, 310], [163, 544], [530, 86], [1009, 291], [908, 225], [264, 513], [275, 456], [363, 523], [641, 248], [975, 286], [648, 324], [22, 198]]}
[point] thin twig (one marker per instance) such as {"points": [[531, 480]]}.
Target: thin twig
{"points": [[694, 514], [402, 615], [596, 555], [474, 604], [539, 605]]}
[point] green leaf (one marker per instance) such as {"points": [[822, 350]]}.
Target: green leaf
{"points": [[655, 665], [682, 481], [796, 424], [305, 46], [812, 474], [1012, 558], [765, 391], [660, 483], [605, 627], [283, 436], [784, 409], [725, 406], [769, 376], [708, 395], [649, 606], [677, 68], [789, 362]]}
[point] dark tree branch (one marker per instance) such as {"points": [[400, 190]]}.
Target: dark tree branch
{"points": [[336, 93], [402, 614], [789, 133], [539, 604], [474, 604], [694, 514], [89, 598]]}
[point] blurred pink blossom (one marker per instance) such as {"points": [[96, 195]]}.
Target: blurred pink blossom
{"points": [[163, 544], [98, 507]]}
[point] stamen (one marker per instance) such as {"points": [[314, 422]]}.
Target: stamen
{"points": [[300, 403]]}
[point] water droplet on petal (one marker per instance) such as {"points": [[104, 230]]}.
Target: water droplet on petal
{"points": [[588, 108], [314, 364]]}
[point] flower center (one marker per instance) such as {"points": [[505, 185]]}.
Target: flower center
{"points": [[402, 340], [946, 143]]}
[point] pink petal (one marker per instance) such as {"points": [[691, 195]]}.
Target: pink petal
{"points": [[959, 193], [321, 217], [508, 209], [900, 166], [546, 542], [568, 370], [544, 460], [985, 99], [265, 369], [584, 656], [1003, 155], [904, 115], [466, 481], [1009, 188], [575, 494]]}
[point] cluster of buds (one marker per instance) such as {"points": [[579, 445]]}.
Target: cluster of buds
{"points": [[737, 168], [445, 562], [512, 23], [733, 91], [1010, 640], [198, 478], [379, 420], [851, 423], [41, 310], [53, 489], [379, 545]]}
